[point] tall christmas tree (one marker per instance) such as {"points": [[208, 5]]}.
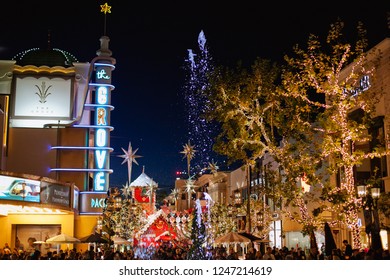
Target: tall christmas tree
{"points": [[197, 250]]}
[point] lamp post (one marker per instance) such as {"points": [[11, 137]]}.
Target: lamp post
{"points": [[237, 198], [237, 202], [370, 212]]}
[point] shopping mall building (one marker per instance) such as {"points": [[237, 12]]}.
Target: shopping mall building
{"points": [[55, 144]]}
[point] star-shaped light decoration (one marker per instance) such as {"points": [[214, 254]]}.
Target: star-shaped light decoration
{"points": [[126, 190], [150, 192], [105, 8], [175, 194], [190, 186], [151, 189], [189, 153], [213, 167], [129, 157]]}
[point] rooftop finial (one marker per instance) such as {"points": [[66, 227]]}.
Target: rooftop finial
{"points": [[105, 9], [143, 168]]}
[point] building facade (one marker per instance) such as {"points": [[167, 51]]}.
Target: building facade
{"points": [[55, 144]]}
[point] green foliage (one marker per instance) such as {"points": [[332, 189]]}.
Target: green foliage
{"points": [[221, 221], [300, 116], [239, 98]]}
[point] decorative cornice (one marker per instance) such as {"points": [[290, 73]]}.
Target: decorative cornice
{"points": [[44, 70]]}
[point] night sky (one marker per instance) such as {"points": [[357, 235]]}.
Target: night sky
{"points": [[150, 39]]}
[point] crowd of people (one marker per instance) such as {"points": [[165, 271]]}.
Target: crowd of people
{"points": [[169, 251]]}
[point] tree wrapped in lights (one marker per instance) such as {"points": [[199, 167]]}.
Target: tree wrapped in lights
{"points": [[121, 216], [305, 124], [261, 218], [200, 131], [198, 248], [223, 219], [340, 126]]}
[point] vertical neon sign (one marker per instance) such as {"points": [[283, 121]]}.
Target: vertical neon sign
{"points": [[102, 132]]}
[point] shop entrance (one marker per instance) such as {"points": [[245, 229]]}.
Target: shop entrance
{"points": [[26, 235]]}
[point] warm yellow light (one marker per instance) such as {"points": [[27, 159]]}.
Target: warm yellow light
{"points": [[5, 132], [361, 190], [6, 209], [375, 192], [44, 69]]}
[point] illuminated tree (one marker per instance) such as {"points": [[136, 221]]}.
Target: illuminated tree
{"points": [[198, 248], [222, 220], [121, 217], [200, 132], [339, 125], [303, 123]]}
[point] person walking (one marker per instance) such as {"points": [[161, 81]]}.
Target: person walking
{"points": [[348, 250]]}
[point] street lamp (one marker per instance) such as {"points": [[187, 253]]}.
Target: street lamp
{"points": [[230, 210], [237, 198], [370, 212]]}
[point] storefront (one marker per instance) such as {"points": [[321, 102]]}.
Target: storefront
{"points": [[33, 209]]}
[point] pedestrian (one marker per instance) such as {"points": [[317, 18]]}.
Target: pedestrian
{"points": [[268, 254], [348, 250]]}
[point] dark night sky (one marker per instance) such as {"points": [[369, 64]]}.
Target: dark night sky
{"points": [[149, 40]]}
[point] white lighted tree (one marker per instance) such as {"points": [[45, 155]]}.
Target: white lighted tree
{"points": [[305, 123]]}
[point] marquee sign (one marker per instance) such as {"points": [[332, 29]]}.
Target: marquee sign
{"points": [[92, 202]]}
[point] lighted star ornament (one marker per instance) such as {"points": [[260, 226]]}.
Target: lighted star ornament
{"points": [[129, 157], [151, 189], [189, 153], [213, 167], [105, 8], [126, 190], [190, 189]]}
